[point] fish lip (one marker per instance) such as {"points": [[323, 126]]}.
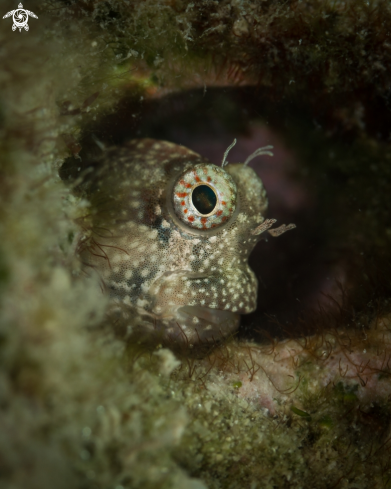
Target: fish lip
{"points": [[179, 330], [211, 324], [216, 316]]}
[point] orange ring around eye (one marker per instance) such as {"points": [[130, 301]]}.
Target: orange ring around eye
{"points": [[205, 211]]}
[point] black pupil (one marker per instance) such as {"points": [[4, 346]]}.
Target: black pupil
{"points": [[204, 199]]}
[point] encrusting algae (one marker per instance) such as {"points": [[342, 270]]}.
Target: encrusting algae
{"points": [[84, 405]]}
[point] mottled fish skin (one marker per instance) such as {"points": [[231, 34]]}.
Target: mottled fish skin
{"points": [[167, 279]]}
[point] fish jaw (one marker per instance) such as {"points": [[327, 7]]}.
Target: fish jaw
{"points": [[194, 308], [199, 325]]}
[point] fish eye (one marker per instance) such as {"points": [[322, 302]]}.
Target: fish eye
{"points": [[204, 197]]}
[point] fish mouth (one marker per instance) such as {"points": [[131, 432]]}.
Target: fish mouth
{"points": [[182, 322], [200, 324]]}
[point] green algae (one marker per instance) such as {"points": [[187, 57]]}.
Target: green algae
{"points": [[301, 413]]}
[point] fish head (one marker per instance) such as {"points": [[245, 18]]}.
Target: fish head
{"points": [[170, 234]]}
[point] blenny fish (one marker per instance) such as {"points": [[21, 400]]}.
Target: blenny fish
{"points": [[169, 234]]}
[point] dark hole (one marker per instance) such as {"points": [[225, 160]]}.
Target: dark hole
{"points": [[204, 199], [323, 256]]}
